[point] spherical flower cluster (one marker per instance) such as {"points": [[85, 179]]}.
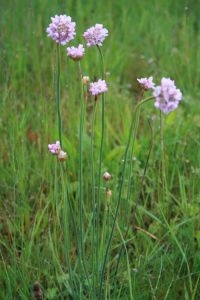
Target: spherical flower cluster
{"points": [[61, 29], [146, 83], [76, 53], [55, 149], [167, 96], [95, 35], [98, 87]]}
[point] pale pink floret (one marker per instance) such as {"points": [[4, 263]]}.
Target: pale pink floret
{"points": [[146, 83], [54, 148], [95, 35], [167, 96], [76, 53], [61, 29], [98, 87]]}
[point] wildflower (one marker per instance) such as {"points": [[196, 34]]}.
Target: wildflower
{"points": [[98, 87], [61, 29], [146, 83], [85, 79], [95, 35], [167, 96], [107, 176], [62, 155], [76, 53], [54, 148]]}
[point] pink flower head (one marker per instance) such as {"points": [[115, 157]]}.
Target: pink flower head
{"points": [[54, 148], [146, 83], [98, 87], [95, 35], [167, 96], [61, 29], [76, 53]]}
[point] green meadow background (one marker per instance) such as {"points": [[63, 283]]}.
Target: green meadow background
{"points": [[156, 38]]}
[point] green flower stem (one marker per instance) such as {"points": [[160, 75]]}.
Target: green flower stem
{"points": [[137, 119], [81, 190], [137, 198], [127, 259], [81, 128], [102, 62], [120, 192], [94, 226], [135, 129], [58, 95], [163, 177], [66, 227], [100, 158]]}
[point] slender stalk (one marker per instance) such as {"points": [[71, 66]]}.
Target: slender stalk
{"points": [[66, 229], [81, 190], [127, 259], [107, 283], [74, 226], [94, 226], [137, 198], [81, 172], [120, 192], [102, 62], [137, 118], [163, 178], [58, 95], [100, 159]]}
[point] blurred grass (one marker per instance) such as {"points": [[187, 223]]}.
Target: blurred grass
{"points": [[159, 38]]}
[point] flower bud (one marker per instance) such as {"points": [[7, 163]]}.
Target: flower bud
{"points": [[85, 79], [62, 155], [107, 176]]}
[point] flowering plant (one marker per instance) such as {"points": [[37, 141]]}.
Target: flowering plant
{"points": [[166, 97]]}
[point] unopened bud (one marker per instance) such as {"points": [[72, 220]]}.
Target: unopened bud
{"points": [[106, 176], [62, 155], [85, 79]]}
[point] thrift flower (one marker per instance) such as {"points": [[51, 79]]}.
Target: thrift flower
{"points": [[98, 87], [95, 35], [76, 53], [54, 148], [146, 83], [61, 29], [167, 96]]}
